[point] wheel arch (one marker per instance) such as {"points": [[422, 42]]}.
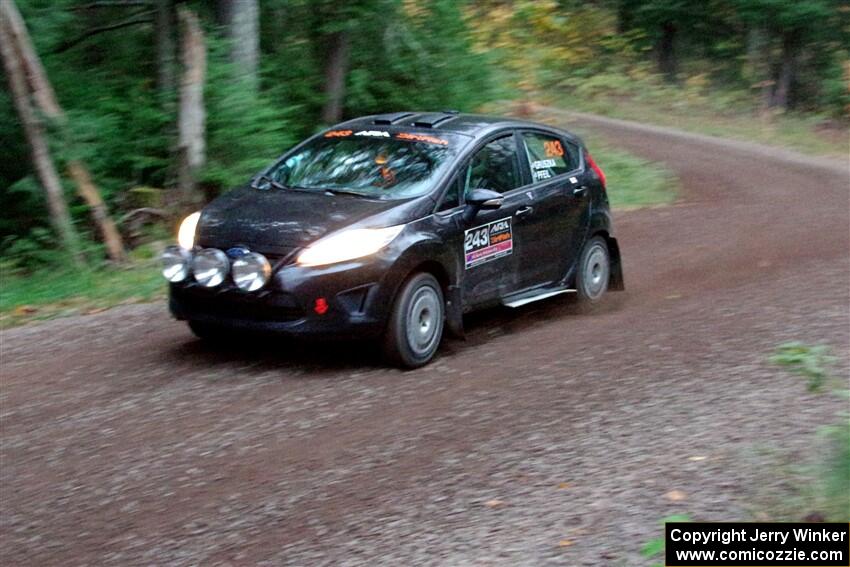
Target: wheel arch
{"points": [[431, 258]]}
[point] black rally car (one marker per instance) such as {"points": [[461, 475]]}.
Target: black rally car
{"points": [[392, 227]]}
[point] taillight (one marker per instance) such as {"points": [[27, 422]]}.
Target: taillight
{"points": [[595, 168]]}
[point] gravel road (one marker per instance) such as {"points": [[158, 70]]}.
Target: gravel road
{"points": [[547, 437]]}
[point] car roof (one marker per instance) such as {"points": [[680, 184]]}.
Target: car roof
{"points": [[448, 121]]}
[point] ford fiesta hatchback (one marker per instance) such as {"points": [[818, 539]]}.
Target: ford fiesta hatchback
{"points": [[391, 227]]}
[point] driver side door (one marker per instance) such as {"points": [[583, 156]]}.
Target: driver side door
{"points": [[491, 244]]}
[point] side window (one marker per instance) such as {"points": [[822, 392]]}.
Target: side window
{"points": [[548, 156], [494, 167], [451, 198]]}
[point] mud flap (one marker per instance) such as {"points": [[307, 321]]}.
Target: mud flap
{"points": [[616, 282]]}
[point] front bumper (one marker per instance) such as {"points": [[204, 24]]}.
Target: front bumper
{"points": [[358, 297]]}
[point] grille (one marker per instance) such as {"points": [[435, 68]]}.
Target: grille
{"points": [[232, 304]]}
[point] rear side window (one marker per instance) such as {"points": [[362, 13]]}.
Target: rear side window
{"points": [[548, 156]]}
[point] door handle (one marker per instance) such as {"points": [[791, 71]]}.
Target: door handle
{"points": [[580, 190], [526, 210]]}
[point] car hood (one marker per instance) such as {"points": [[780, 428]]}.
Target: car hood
{"points": [[277, 221]]}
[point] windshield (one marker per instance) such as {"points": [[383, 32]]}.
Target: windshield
{"points": [[375, 164]]}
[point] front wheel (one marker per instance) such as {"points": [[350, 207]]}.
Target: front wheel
{"points": [[594, 272], [416, 322]]}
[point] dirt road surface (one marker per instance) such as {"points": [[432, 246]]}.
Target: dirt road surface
{"points": [[547, 437]]}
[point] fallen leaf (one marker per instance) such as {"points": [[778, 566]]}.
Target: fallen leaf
{"points": [[697, 458], [493, 503], [564, 485], [25, 310], [95, 310], [673, 296], [675, 496], [565, 543]]}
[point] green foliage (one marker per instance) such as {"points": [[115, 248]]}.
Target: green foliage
{"points": [[406, 54], [834, 471], [246, 131], [807, 361], [424, 61], [655, 547]]}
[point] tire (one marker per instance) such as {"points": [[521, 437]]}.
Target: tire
{"points": [[416, 323], [593, 273]]}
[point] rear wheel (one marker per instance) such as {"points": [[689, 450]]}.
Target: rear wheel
{"points": [[594, 272], [416, 322]]}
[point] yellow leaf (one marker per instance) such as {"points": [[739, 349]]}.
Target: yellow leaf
{"points": [[675, 496], [564, 485], [565, 542], [493, 503]]}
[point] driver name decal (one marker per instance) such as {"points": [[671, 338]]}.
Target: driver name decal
{"points": [[488, 242]]}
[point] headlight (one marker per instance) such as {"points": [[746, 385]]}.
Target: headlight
{"points": [[348, 245], [175, 264], [186, 232], [210, 267], [251, 271]]}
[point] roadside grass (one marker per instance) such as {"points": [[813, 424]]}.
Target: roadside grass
{"points": [[818, 489], [63, 290], [633, 182], [809, 134]]}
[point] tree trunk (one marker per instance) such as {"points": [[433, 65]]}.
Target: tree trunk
{"points": [[758, 66], [88, 191], [164, 24], [787, 73], [47, 102], [36, 77], [241, 19], [192, 119], [667, 63], [336, 69], [60, 218]]}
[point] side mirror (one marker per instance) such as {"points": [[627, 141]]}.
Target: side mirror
{"points": [[484, 199], [479, 199]]}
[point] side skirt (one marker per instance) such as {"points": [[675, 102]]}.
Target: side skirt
{"points": [[531, 296]]}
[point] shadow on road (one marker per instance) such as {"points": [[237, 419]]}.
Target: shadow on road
{"points": [[272, 352]]}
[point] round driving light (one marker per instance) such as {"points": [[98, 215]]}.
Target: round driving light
{"points": [[251, 271], [210, 267], [175, 264]]}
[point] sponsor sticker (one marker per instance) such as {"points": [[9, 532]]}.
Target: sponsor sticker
{"points": [[338, 134], [488, 242], [373, 133], [543, 164], [539, 174]]}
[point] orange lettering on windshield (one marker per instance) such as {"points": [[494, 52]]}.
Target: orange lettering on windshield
{"points": [[422, 138], [338, 133]]}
